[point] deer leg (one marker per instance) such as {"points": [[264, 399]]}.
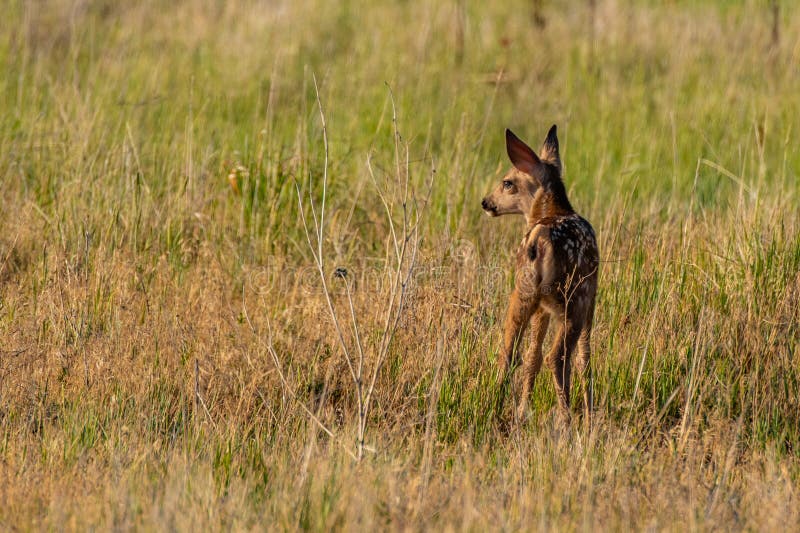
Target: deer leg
{"points": [[559, 362], [584, 369], [519, 313], [583, 364], [532, 361]]}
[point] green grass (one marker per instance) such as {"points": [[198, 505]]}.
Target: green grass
{"points": [[152, 253]]}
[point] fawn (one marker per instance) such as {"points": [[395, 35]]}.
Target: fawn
{"points": [[556, 274]]}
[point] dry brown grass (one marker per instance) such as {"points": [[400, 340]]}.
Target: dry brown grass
{"points": [[138, 287]]}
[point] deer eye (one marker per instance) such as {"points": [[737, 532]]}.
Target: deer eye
{"points": [[507, 184]]}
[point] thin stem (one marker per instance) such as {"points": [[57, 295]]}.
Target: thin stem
{"points": [[286, 387]]}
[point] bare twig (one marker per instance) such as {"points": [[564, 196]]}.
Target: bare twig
{"points": [[404, 242], [286, 387], [198, 399]]}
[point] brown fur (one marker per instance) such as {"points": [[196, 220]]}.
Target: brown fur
{"points": [[556, 277], [515, 193]]}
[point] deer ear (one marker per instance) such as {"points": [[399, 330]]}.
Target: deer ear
{"points": [[549, 151], [521, 155]]}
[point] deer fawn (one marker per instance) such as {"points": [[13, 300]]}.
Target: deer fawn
{"points": [[556, 274]]}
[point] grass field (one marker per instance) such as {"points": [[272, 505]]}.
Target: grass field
{"points": [[171, 358]]}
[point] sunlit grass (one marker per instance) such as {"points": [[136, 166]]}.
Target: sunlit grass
{"points": [[152, 254]]}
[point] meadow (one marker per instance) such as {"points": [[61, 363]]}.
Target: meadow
{"points": [[246, 282]]}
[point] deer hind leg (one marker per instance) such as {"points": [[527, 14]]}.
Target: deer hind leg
{"points": [[559, 360], [584, 367], [532, 361], [519, 313]]}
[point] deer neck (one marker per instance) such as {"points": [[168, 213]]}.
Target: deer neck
{"points": [[545, 205]]}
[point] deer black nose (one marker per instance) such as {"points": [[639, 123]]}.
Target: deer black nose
{"points": [[485, 204]]}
